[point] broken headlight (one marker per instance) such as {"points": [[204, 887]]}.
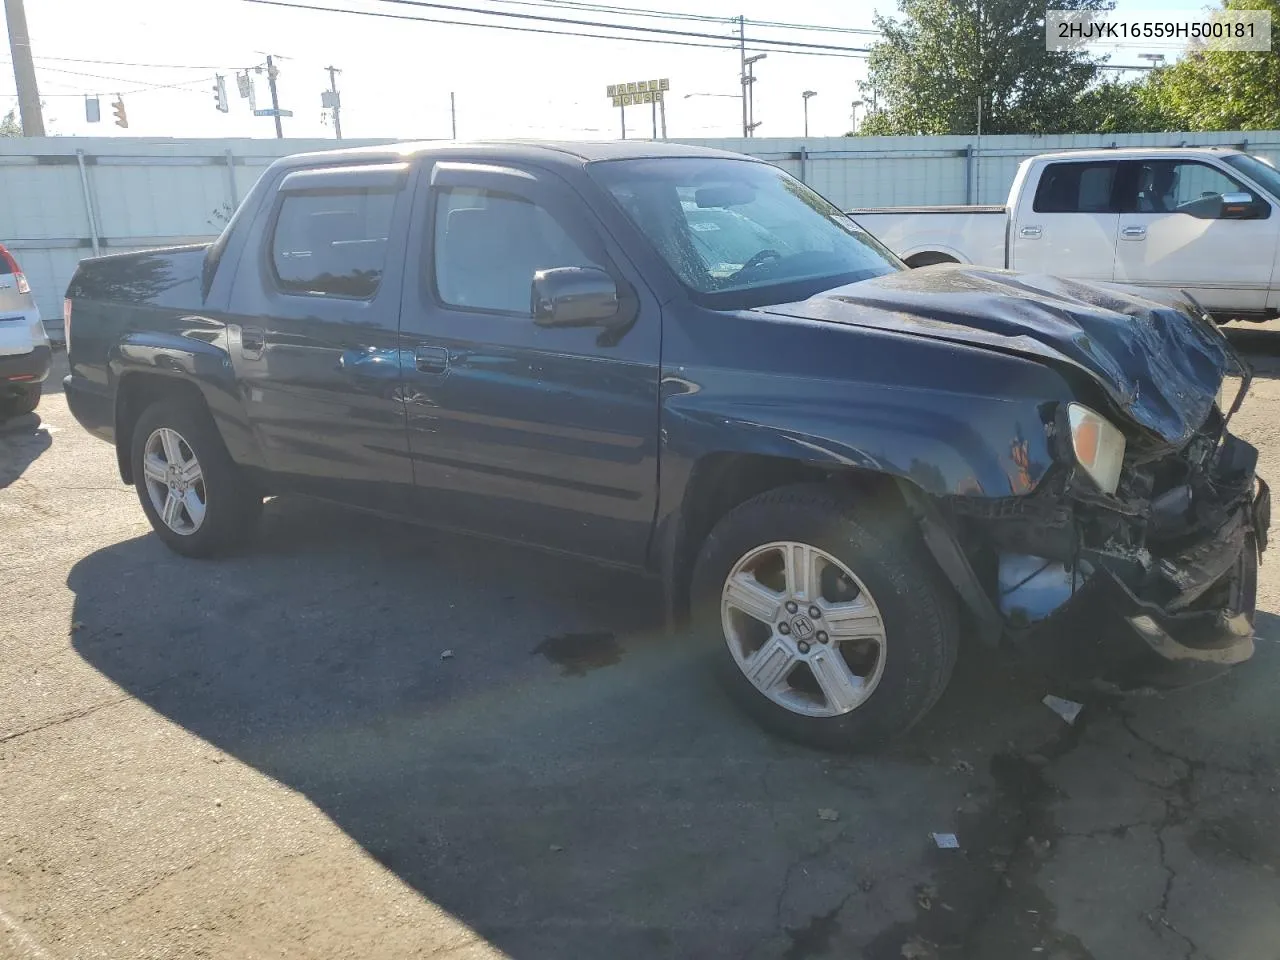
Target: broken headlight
{"points": [[1098, 446]]}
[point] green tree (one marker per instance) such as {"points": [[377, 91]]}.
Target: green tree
{"points": [[1219, 89], [1120, 107], [940, 56], [9, 126]]}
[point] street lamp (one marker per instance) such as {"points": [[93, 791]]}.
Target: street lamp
{"points": [[853, 114], [806, 95], [749, 101]]}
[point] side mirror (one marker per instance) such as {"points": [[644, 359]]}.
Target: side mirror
{"points": [[1238, 206], [573, 297]]}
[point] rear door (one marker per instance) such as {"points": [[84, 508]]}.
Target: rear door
{"points": [[1068, 226], [314, 334], [518, 431], [1173, 236]]}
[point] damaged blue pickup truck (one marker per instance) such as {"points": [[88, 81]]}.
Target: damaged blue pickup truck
{"points": [[687, 363]]}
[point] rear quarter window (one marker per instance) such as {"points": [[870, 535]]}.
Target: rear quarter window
{"points": [[332, 243]]}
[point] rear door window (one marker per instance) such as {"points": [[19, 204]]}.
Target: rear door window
{"points": [[1077, 188], [332, 243]]}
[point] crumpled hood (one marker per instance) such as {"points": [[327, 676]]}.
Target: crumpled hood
{"points": [[1158, 364]]}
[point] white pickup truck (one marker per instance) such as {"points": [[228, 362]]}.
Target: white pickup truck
{"points": [[1203, 220]]}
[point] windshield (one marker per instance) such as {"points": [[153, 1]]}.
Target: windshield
{"points": [[739, 233], [1259, 171]]}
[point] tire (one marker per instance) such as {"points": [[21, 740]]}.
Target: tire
{"points": [[231, 505], [25, 402], [895, 588]]}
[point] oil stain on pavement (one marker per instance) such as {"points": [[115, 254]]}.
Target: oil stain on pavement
{"points": [[576, 653]]}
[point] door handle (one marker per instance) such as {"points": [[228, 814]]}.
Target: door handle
{"points": [[432, 359], [252, 342], [1029, 233], [1133, 233]]}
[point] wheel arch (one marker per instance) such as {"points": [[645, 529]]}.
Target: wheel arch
{"points": [[134, 393], [146, 367], [719, 482], [925, 258]]}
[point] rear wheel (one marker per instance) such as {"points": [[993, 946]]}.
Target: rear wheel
{"points": [[197, 499], [26, 400], [822, 626]]}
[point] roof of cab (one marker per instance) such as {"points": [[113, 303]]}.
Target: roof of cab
{"points": [[551, 152], [1131, 153]]}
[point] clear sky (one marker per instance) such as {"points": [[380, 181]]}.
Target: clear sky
{"points": [[397, 75]]}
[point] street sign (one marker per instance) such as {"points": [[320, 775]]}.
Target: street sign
{"points": [[638, 89], [273, 113], [631, 99]]}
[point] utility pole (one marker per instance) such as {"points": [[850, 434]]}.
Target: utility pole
{"points": [[742, 78], [750, 90], [453, 114], [24, 70], [275, 96], [335, 103]]}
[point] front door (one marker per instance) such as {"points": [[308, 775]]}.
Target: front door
{"points": [[533, 434], [1173, 236], [1068, 228], [314, 335]]}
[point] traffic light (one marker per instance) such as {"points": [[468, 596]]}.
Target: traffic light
{"points": [[220, 93], [117, 107]]}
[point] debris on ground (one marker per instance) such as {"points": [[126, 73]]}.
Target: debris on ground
{"points": [[946, 841], [1040, 848], [826, 813], [917, 949], [925, 896], [556, 848], [962, 766], [1068, 710], [447, 655]]}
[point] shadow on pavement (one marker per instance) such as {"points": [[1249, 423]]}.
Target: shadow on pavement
{"points": [[1260, 346], [22, 440], [560, 802]]}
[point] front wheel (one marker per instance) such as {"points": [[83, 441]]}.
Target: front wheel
{"points": [[823, 627]]}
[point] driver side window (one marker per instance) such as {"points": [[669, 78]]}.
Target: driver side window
{"points": [[1182, 186], [488, 245]]}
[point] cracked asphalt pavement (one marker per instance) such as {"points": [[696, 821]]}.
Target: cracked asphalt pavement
{"points": [[272, 756]]}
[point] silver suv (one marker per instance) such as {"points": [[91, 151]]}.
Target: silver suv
{"points": [[24, 346]]}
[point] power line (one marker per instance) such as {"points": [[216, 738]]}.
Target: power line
{"points": [[148, 86], [538, 30], [597, 24], [180, 85], [607, 8], [674, 15], [125, 63], [814, 27]]}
